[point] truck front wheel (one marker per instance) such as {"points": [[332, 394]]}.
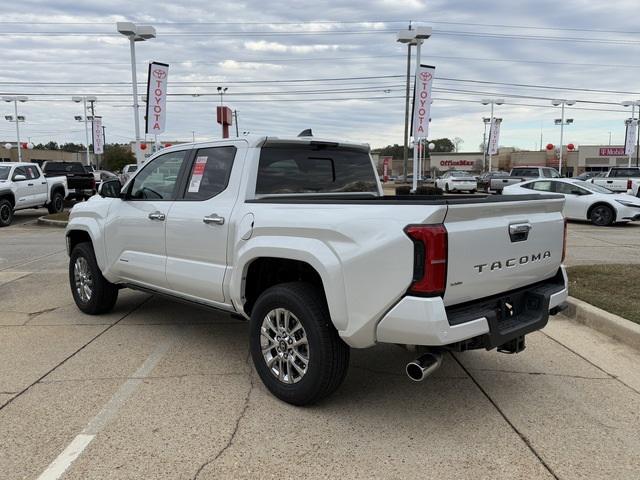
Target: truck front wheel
{"points": [[295, 348], [6, 213], [92, 293]]}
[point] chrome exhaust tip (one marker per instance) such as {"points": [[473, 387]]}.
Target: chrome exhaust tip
{"points": [[424, 366]]}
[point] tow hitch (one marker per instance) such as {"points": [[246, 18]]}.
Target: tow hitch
{"points": [[513, 346]]}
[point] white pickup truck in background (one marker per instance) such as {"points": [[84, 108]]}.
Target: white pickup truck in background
{"points": [[522, 174], [620, 180], [23, 185], [295, 235]]}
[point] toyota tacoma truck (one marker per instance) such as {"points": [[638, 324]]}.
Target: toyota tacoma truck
{"points": [[522, 174], [295, 235], [620, 180], [23, 185]]}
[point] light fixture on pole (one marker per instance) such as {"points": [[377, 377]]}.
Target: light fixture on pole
{"points": [[136, 33], [632, 104], [405, 150], [221, 92], [416, 37], [84, 99], [492, 102], [17, 118], [562, 123]]}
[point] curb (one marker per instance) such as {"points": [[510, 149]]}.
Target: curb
{"points": [[616, 327], [52, 223]]}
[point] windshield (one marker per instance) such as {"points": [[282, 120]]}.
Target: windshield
{"points": [[4, 172], [592, 187]]}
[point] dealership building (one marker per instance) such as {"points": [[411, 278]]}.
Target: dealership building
{"points": [[581, 159]]}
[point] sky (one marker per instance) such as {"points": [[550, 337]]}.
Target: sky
{"points": [[334, 67]]}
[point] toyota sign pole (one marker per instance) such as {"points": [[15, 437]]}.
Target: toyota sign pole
{"points": [[156, 113], [421, 112]]}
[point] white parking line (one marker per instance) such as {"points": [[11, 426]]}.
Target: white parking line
{"points": [[63, 461]]}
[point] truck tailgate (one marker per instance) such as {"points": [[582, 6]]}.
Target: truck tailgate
{"points": [[497, 247]]}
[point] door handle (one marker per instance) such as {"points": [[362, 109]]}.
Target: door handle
{"points": [[213, 218], [29, 184], [156, 216]]}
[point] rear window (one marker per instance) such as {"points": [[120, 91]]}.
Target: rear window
{"points": [[524, 172], [314, 168], [4, 172], [64, 167], [625, 172]]}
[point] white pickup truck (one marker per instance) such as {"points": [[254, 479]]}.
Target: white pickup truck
{"points": [[295, 235], [522, 174], [23, 185], [620, 180]]}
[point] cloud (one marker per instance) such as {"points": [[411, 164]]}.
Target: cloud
{"points": [[275, 42], [266, 46]]}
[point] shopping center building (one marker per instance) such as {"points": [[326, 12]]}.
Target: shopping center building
{"points": [[580, 159]]}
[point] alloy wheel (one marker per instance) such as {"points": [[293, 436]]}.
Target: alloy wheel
{"points": [[284, 345], [83, 279]]}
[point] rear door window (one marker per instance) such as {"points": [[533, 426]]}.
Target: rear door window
{"points": [[314, 168], [210, 172]]}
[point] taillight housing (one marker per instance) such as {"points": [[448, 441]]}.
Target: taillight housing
{"points": [[629, 184], [430, 251]]}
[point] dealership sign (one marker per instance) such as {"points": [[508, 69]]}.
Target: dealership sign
{"points": [[157, 97], [630, 138], [422, 101], [98, 137], [494, 136]]}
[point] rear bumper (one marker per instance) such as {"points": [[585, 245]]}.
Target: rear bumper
{"points": [[486, 323]]}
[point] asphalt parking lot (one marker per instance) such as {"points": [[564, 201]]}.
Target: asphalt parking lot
{"points": [[157, 389]]}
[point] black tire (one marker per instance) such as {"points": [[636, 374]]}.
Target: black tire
{"points": [[602, 215], [472, 191], [56, 205], [103, 293], [446, 187], [328, 354], [6, 213]]}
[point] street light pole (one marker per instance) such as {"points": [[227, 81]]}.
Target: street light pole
{"points": [[555, 103], [15, 109], [485, 120], [406, 115], [15, 100], [136, 33], [492, 121]]}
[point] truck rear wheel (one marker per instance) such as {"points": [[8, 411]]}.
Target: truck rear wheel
{"points": [[6, 213], [295, 348], [92, 293], [56, 205]]}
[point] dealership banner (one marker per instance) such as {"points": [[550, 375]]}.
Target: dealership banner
{"points": [[422, 101], [157, 97], [630, 138], [98, 137], [494, 136]]}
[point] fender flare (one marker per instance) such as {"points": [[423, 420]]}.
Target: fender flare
{"points": [[90, 227], [309, 250]]}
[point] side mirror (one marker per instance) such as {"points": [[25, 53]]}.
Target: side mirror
{"points": [[110, 188], [19, 178]]}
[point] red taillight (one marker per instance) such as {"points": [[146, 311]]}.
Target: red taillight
{"points": [[564, 240], [429, 259], [629, 184]]}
